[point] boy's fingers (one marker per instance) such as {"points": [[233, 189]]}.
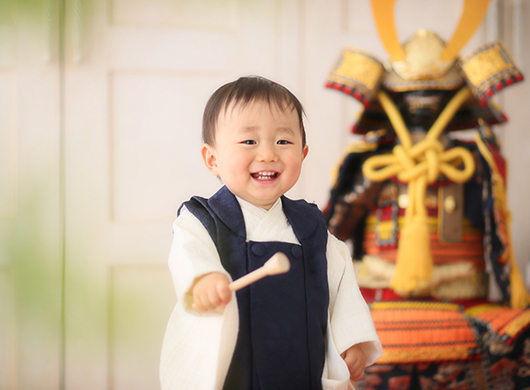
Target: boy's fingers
{"points": [[211, 292], [197, 305], [213, 299], [357, 370], [224, 293], [202, 302], [349, 360], [356, 375], [356, 363], [357, 378]]}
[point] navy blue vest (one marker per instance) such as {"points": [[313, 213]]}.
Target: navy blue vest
{"points": [[282, 318]]}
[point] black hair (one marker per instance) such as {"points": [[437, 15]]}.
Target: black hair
{"points": [[244, 91]]}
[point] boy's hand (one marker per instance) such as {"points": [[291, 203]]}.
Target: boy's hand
{"points": [[356, 361], [211, 291]]}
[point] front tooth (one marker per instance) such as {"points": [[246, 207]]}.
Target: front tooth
{"points": [[265, 175]]}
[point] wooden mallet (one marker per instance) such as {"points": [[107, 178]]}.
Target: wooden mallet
{"points": [[277, 264]]}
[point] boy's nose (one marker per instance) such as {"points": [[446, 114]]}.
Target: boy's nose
{"points": [[267, 153]]}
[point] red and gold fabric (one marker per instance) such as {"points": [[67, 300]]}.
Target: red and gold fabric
{"points": [[422, 331]]}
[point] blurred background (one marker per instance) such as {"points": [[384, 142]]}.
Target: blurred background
{"points": [[100, 120]]}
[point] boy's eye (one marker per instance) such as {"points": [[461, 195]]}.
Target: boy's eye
{"points": [[249, 142], [283, 142]]}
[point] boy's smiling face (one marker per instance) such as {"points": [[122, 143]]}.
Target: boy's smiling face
{"points": [[258, 151]]}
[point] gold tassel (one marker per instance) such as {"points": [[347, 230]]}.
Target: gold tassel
{"points": [[414, 263]]}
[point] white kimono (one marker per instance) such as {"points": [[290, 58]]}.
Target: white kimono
{"points": [[198, 347]]}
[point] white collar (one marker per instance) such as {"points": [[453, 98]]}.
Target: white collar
{"points": [[267, 225]]}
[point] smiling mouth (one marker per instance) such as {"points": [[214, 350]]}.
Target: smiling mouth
{"points": [[265, 175]]}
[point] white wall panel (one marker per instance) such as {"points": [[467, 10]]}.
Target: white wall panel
{"points": [[356, 17], [182, 14], [141, 300], [155, 148], [7, 143], [192, 51], [7, 330]]}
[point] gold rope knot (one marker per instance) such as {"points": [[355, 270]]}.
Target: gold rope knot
{"points": [[426, 158]]}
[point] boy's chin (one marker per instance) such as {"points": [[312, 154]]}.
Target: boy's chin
{"points": [[264, 203]]}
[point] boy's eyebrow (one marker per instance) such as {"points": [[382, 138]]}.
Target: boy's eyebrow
{"points": [[286, 130], [248, 129]]}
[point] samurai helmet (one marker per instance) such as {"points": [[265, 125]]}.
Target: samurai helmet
{"points": [[425, 58], [426, 65]]}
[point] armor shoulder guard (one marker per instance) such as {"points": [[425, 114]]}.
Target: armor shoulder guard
{"points": [[356, 73], [488, 69]]}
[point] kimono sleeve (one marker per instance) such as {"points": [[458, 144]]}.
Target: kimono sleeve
{"points": [[193, 254], [350, 319], [197, 347]]}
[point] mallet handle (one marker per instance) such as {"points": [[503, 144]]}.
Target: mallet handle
{"points": [[277, 264]]}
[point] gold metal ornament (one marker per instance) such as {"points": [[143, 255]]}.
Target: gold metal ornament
{"points": [[422, 58]]}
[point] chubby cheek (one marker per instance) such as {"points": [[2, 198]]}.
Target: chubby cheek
{"points": [[241, 161], [236, 167], [296, 164]]}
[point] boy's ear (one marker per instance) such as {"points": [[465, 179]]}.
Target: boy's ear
{"points": [[305, 151], [209, 156]]}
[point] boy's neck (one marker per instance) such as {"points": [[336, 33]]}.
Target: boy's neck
{"points": [[250, 206]]}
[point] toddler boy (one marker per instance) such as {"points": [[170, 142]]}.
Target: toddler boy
{"points": [[307, 329]]}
